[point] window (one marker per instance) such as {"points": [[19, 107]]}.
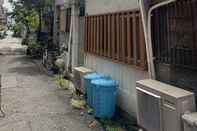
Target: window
{"points": [[116, 36], [62, 20], [174, 34], [65, 20]]}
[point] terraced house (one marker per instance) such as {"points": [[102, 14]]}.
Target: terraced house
{"points": [[3, 18], [115, 45], [68, 30], [106, 37], [127, 40]]}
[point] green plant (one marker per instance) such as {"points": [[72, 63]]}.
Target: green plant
{"points": [[60, 64], [78, 103], [25, 41], [110, 125], [61, 82], [17, 29], [34, 48]]}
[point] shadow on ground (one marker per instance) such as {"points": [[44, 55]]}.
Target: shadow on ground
{"points": [[29, 70], [22, 59]]}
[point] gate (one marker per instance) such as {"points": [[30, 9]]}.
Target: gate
{"points": [[174, 32]]}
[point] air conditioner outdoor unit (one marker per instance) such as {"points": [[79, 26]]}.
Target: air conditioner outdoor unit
{"points": [[79, 73], [161, 106]]}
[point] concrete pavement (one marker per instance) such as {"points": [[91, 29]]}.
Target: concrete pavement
{"points": [[31, 101], [11, 46]]}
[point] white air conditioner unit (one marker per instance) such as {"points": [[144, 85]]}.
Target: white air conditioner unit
{"points": [[161, 106], [79, 73]]}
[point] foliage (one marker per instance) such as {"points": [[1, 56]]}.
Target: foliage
{"points": [[33, 21], [78, 104], [60, 64], [28, 12], [17, 29], [110, 125], [25, 41], [22, 14], [34, 48], [61, 82]]}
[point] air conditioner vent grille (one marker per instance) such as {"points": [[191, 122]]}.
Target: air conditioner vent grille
{"points": [[149, 110]]}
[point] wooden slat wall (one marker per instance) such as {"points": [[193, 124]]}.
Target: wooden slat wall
{"points": [[117, 36]]}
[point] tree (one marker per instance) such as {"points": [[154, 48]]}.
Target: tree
{"points": [[29, 13], [23, 13]]}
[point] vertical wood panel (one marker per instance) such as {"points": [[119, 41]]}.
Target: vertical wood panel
{"points": [[113, 36], [89, 34], [95, 37], [123, 41], [142, 47], [134, 38], [86, 34], [98, 35], [92, 35], [101, 36], [105, 35], [129, 40], [118, 35], [109, 35]]}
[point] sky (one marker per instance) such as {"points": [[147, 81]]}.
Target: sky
{"points": [[7, 5]]}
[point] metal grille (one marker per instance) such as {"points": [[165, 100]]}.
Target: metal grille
{"points": [[149, 104], [118, 36], [175, 34]]}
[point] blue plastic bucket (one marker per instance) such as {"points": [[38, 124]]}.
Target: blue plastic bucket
{"points": [[104, 98], [89, 87]]}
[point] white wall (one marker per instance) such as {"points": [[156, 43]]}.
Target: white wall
{"points": [[106, 6], [126, 75], [1, 2], [60, 2]]}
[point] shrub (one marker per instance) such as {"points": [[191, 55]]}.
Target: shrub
{"points": [[35, 49], [61, 82]]}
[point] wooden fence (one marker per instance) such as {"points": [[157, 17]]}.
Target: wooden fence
{"points": [[117, 36]]}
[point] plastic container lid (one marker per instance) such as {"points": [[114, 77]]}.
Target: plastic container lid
{"points": [[105, 82], [95, 76]]}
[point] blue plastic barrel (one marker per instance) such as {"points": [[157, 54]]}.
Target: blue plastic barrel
{"points": [[104, 99], [88, 86]]}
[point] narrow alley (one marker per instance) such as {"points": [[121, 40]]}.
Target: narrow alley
{"points": [[30, 100], [98, 65]]}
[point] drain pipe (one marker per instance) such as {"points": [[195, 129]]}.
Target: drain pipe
{"points": [[69, 61], [147, 29], [75, 33]]}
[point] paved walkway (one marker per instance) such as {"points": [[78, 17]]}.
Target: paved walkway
{"points": [[32, 102], [11, 46]]}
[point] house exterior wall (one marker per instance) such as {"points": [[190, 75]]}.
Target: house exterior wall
{"points": [[77, 58], [60, 3], [105, 6], [3, 16], [126, 75], [1, 2]]}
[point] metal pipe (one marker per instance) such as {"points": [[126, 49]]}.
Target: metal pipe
{"points": [[148, 36], [69, 66]]}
